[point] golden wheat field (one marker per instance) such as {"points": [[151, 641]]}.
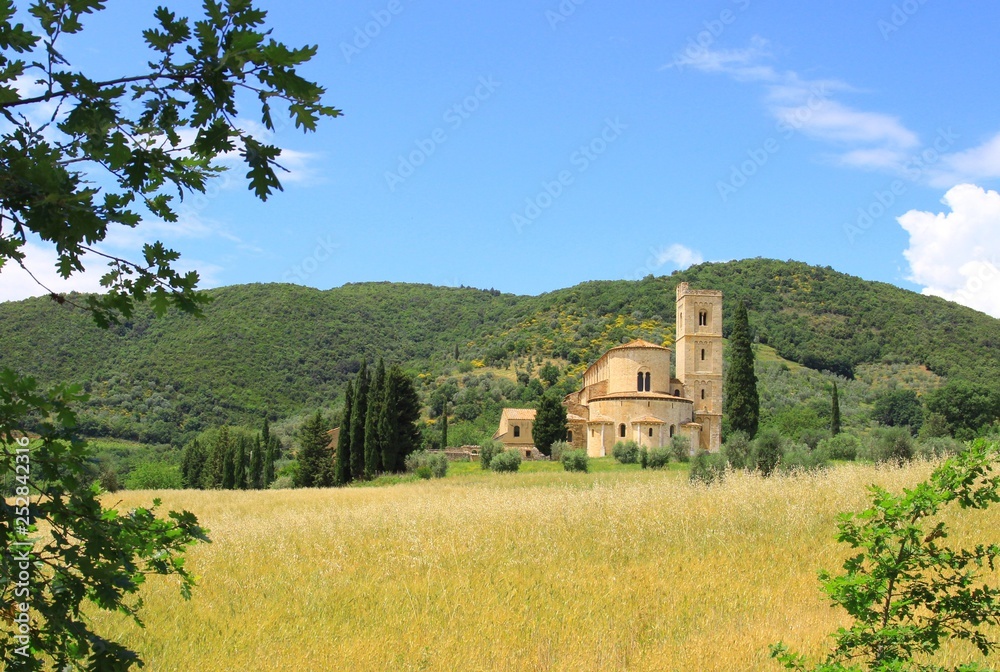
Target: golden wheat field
{"points": [[534, 571]]}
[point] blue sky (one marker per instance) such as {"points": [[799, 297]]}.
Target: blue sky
{"points": [[534, 145]]}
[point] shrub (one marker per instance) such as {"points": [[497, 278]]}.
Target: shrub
{"points": [[560, 448], [109, 480], [891, 444], [813, 437], [931, 448], [680, 448], [421, 461], [707, 467], [506, 461], [659, 457], [844, 446], [487, 451], [576, 460], [644, 458], [283, 483], [626, 452], [767, 451], [737, 450], [154, 476], [799, 457]]}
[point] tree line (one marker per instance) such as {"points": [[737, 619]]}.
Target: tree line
{"points": [[377, 432], [231, 462]]}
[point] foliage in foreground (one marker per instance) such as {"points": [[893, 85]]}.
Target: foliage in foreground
{"points": [[906, 590], [87, 554]]}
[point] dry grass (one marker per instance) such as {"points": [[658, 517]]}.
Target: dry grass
{"points": [[544, 571]]}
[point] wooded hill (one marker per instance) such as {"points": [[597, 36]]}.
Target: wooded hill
{"points": [[283, 349]]}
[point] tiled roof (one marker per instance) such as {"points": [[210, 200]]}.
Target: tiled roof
{"points": [[519, 413], [638, 343], [649, 420]]}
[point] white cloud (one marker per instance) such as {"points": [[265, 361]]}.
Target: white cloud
{"points": [[16, 284], [978, 163], [677, 255], [808, 106], [956, 254]]}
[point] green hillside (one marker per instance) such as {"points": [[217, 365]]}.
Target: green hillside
{"points": [[282, 349]]}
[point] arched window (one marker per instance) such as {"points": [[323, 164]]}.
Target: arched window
{"points": [[569, 436], [639, 381], [703, 319], [703, 393], [649, 387], [703, 354], [677, 393], [651, 431], [671, 431], [517, 431], [621, 430]]}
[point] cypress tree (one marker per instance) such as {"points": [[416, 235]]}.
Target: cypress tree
{"points": [[314, 454], [358, 420], [342, 464], [835, 414], [550, 423], [397, 426], [270, 456], [193, 465], [742, 404], [240, 463], [387, 422], [213, 474], [229, 468], [265, 434], [256, 473], [373, 447]]}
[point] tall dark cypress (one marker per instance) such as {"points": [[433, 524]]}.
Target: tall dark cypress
{"points": [[270, 456], [192, 465], [342, 465], [256, 473], [314, 454], [373, 445], [397, 425], [359, 415], [742, 404], [387, 421], [229, 468], [835, 412], [265, 435], [214, 472], [241, 463]]}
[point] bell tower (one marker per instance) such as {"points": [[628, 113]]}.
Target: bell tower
{"points": [[699, 358]]}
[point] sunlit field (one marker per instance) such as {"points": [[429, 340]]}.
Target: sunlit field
{"points": [[613, 570]]}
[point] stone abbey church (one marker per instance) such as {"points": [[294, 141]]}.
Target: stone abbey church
{"points": [[630, 394]]}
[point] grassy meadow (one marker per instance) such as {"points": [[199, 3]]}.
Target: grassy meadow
{"points": [[618, 569]]}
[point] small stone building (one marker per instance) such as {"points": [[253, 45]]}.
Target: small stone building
{"points": [[630, 394], [515, 431]]}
